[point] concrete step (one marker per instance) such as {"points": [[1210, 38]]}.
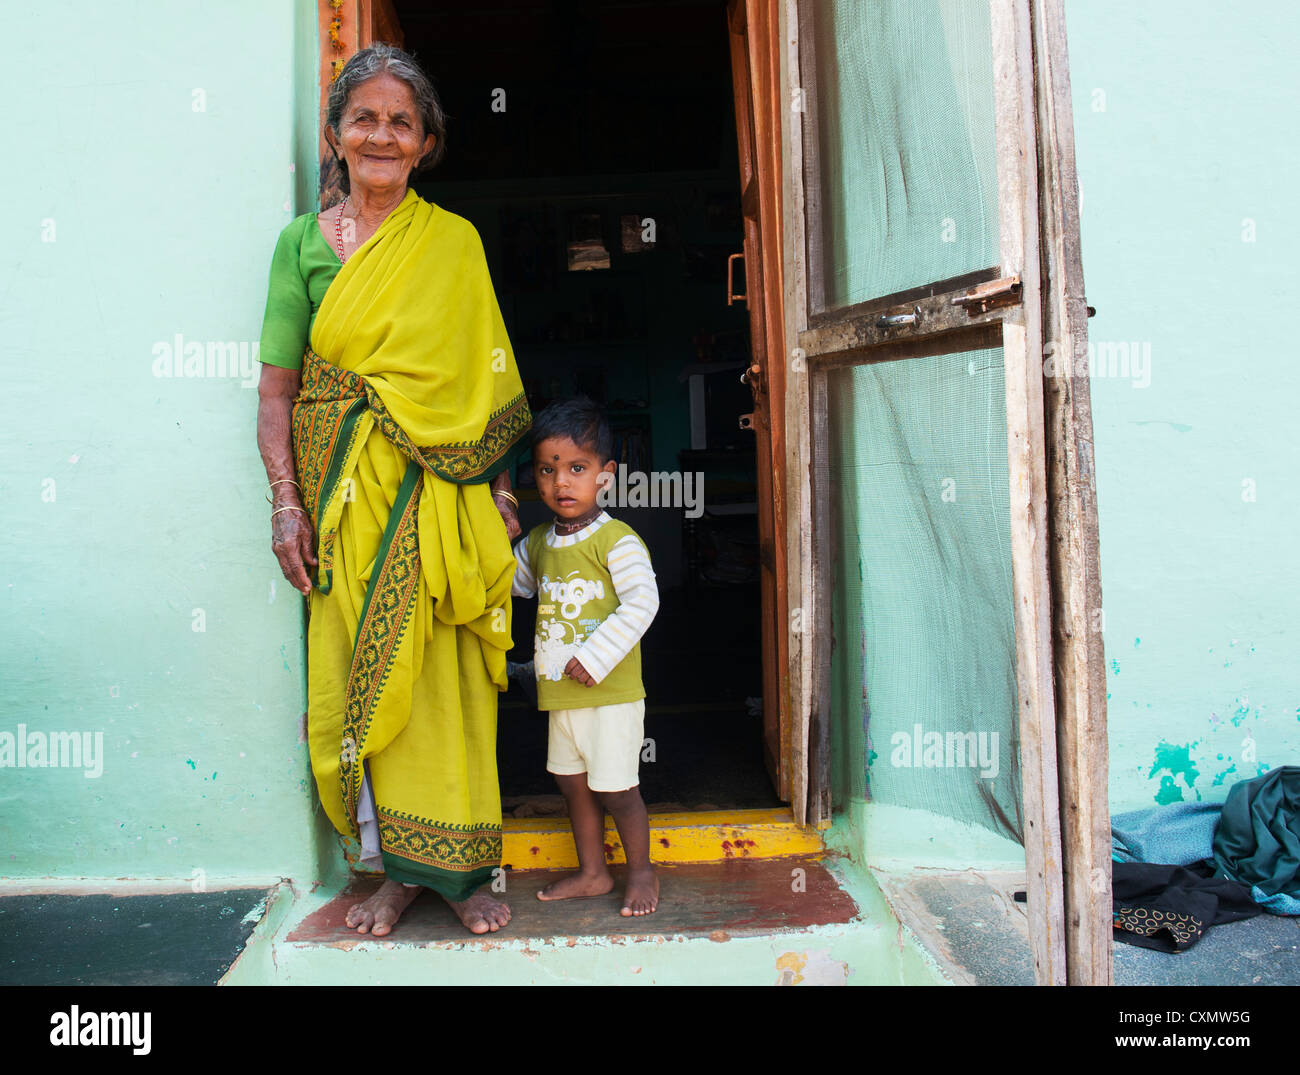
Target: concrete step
{"points": [[791, 921]]}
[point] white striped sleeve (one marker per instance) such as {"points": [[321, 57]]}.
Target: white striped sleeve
{"points": [[525, 583], [638, 601]]}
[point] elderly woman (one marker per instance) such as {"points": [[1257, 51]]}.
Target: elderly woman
{"points": [[390, 409]]}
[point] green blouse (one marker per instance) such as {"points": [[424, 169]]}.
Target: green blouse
{"points": [[302, 269]]}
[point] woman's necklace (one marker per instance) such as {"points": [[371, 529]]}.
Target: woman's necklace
{"points": [[338, 231], [572, 526]]}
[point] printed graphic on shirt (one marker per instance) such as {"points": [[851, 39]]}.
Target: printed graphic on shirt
{"points": [[558, 638], [571, 592]]}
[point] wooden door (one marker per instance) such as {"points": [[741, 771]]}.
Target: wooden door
{"points": [[344, 30], [755, 72], [1025, 297]]}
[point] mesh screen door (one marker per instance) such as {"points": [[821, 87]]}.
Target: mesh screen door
{"points": [[921, 312]]}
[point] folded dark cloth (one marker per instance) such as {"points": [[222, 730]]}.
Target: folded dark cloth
{"points": [[1258, 838], [1169, 908]]}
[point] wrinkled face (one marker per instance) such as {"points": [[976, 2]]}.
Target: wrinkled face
{"points": [[568, 476], [380, 134]]}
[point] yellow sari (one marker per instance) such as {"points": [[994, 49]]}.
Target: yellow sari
{"points": [[410, 403]]}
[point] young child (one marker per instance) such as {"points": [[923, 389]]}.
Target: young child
{"points": [[596, 596]]}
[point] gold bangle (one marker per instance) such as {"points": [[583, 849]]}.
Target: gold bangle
{"points": [[290, 507], [280, 482], [509, 496]]}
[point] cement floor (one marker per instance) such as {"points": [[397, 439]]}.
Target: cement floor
{"points": [[188, 938], [979, 935]]}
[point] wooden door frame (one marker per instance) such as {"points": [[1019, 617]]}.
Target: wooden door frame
{"points": [[753, 26], [1055, 553], [342, 31], [354, 24]]}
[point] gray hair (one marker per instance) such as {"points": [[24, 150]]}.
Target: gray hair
{"points": [[382, 59]]}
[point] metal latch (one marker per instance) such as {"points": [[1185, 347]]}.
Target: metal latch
{"points": [[731, 294], [985, 297], [911, 317]]}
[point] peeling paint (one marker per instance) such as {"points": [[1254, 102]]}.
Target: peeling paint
{"points": [[811, 968], [1220, 776]]}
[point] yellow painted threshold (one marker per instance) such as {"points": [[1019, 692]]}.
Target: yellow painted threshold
{"points": [[713, 836]]}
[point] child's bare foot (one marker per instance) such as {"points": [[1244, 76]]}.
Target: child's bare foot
{"points": [[379, 914], [576, 886], [642, 895], [481, 913]]}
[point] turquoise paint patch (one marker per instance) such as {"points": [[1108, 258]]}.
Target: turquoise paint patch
{"points": [[1169, 792], [1176, 761], [1137, 642], [190, 763], [1114, 666], [1220, 777]]}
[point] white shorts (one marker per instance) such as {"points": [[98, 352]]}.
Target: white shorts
{"points": [[603, 741]]}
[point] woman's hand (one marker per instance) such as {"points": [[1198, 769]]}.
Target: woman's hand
{"points": [[506, 504], [294, 545], [292, 539], [508, 516]]}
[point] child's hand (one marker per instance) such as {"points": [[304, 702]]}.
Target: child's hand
{"points": [[574, 670]]}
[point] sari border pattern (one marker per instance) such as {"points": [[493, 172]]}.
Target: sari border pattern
{"points": [[327, 428], [385, 616], [466, 462], [439, 844]]}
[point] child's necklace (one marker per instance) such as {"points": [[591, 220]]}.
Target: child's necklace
{"points": [[572, 526]]}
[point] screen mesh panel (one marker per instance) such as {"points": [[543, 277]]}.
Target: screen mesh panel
{"points": [[901, 145], [923, 676]]}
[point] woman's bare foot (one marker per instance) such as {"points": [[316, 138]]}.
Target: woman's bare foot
{"points": [[379, 914], [576, 886], [481, 913], [642, 896]]}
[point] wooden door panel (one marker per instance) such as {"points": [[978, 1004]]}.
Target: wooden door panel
{"points": [[747, 20]]}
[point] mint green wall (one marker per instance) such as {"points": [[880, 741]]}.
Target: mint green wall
{"points": [[133, 501], [1183, 123], [150, 170]]}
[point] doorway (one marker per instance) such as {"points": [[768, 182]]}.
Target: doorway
{"points": [[594, 148]]}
